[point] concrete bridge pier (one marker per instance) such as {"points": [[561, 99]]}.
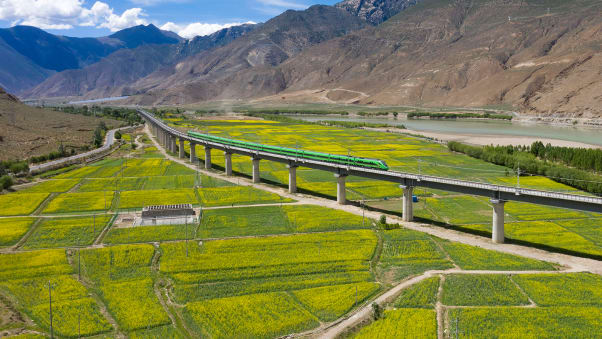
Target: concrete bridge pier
{"points": [[341, 193], [181, 152], [173, 144], [408, 203], [228, 165], [497, 229], [207, 158], [256, 175], [292, 178], [193, 158]]}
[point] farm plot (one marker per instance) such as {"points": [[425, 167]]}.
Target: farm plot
{"points": [[171, 182], [122, 276], [330, 302], [245, 266], [251, 316], [421, 295], [112, 184], [308, 218], [137, 199], [540, 322], [52, 186], [13, 229], [25, 276], [402, 323], [237, 195], [80, 202], [20, 204], [407, 252], [475, 258], [67, 232], [574, 289], [481, 290], [150, 234], [145, 167], [244, 221]]}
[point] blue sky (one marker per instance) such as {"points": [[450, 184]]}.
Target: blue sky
{"points": [[99, 18]]}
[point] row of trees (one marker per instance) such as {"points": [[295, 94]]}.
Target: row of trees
{"points": [[10, 168], [516, 157], [294, 111], [439, 115], [582, 158], [118, 113]]}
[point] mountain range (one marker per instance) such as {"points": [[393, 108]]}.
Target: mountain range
{"points": [[536, 56]]}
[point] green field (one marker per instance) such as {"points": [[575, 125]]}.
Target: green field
{"points": [[80, 202], [402, 323], [20, 204], [67, 232], [481, 290], [13, 229]]}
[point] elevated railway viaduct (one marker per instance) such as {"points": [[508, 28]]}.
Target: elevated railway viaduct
{"points": [[497, 194]]}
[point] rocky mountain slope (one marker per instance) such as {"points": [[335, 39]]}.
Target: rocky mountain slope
{"points": [[537, 56], [247, 67], [112, 75], [375, 11], [28, 131], [469, 53], [41, 54]]}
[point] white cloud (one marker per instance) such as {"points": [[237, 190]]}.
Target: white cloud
{"points": [[191, 30], [65, 14], [283, 3], [129, 18]]}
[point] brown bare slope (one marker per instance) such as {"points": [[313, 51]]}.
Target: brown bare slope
{"points": [[245, 67], [27, 131], [468, 53], [438, 52]]}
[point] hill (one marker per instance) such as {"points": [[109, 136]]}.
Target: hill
{"points": [[247, 67], [28, 131], [112, 75], [536, 56], [375, 11], [42, 54]]}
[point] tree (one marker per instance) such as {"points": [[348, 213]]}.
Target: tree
{"points": [[97, 137], [377, 311], [118, 135], [6, 182], [395, 114]]}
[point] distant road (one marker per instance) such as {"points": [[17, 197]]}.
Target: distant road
{"points": [[109, 141]]}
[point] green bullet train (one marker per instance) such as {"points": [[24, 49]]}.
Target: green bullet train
{"points": [[299, 153]]}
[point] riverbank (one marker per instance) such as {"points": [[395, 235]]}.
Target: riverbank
{"points": [[495, 139]]}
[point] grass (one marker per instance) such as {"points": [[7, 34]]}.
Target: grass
{"points": [[475, 258], [116, 184], [421, 295], [20, 204], [330, 302], [402, 323], [237, 195], [251, 316], [481, 290], [137, 199], [67, 232], [13, 229], [80, 202]]}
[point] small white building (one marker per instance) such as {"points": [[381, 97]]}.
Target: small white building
{"points": [[167, 215]]}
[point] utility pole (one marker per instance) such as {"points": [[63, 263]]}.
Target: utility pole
{"points": [[186, 236], [50, 287], [355, 296], [79, 262], [79, 327], [518, 176]]}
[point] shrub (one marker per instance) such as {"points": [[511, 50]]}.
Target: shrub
{"points": [[118, 135], [6, 181]]}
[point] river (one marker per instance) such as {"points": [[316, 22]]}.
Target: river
{"points": [[508, 129]]}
